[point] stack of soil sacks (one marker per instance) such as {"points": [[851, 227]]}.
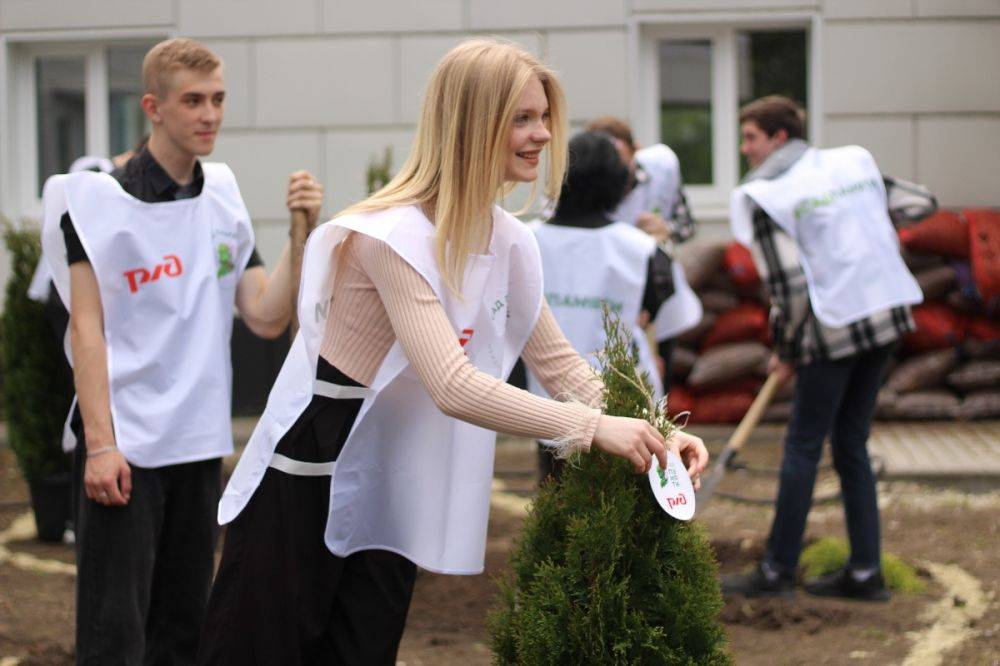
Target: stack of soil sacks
{"points": [[719, 366], [948, 369], [950, 366]]}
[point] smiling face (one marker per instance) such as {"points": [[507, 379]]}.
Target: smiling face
{"points": [[756, 145], [189, 113], [529, 134]]}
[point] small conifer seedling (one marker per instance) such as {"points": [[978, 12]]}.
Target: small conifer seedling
{"points": [[601, 574]]}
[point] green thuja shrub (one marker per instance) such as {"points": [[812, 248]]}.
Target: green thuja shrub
{"points": [[601, 575], [35, 384]]}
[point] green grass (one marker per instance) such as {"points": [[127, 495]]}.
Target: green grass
{"points": [[829, 555]]}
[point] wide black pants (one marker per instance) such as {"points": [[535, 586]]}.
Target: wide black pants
{"points": [[280, 596], [144, 569]]}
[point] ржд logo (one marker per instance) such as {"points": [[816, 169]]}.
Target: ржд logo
{"points": [[138, 276]]}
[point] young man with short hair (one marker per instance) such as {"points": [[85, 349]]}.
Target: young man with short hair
{"points": [[152, 259], [820, 234]]}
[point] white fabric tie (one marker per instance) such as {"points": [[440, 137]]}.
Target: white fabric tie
{"points": [[299, 468], [338, 392]]}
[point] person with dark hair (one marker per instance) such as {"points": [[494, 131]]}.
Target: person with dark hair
{"points": [[589, 259], [819, 230], [654, 201]]}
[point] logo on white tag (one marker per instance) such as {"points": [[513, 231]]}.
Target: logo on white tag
{"points": [[672, 487]]}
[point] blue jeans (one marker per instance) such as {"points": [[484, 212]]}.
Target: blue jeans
{"points": [[835, 398]]}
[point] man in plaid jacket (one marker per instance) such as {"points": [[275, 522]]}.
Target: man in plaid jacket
{"points": [[830, 327]]}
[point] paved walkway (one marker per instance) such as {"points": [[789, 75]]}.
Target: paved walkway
{"points": [[907, 449], [938, 449]]}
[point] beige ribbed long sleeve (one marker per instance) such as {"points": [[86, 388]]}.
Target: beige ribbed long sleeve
{"points": [[380, 298]]}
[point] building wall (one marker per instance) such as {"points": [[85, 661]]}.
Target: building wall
{"points": [[916, 82], [327, 84]]}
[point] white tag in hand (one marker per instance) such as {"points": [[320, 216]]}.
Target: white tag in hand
{"points": [[672, 487]]}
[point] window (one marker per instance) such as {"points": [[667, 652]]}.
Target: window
{"points": [[61, 122], [692, 80], [771, 62], [126, 121], [686, 105], [68, 100]]}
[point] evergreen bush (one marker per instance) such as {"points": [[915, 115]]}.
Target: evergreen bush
{"points": [[601, 575], [379, 172], [34, 379]]}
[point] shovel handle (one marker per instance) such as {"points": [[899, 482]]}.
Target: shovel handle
{"points": [[755, 413], [299, 231]]}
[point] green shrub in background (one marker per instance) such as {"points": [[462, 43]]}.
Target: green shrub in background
{"points": [[829, 555], [379, 172], [34, 379], [601, 575]]}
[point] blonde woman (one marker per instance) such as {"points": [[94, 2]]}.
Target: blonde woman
{"points": [[375, 453]]}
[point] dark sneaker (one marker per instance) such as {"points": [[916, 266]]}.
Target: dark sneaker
{"points": [[763, 581], [844, 585]]}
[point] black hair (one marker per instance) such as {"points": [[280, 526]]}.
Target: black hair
{"points": [[596, 177]]}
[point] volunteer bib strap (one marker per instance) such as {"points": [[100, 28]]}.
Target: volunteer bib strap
{"points": [[338, 392], [299, 468]]}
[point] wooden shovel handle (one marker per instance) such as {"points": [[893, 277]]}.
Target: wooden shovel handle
{"points": [[300, 229], [755, 413]]}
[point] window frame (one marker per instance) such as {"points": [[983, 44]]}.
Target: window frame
{"points": [[711, 202], [19, 184]]}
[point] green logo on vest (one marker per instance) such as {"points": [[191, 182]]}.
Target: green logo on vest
{"points": [[226, 265]]}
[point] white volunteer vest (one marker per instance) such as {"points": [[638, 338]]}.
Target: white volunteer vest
{"points": [[409, 479], [38, 289], [167, 274], [584, 268], [833, 204], [682, 311]]}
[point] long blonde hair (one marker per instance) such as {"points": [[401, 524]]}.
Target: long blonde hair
{"points": [[457, 163]]}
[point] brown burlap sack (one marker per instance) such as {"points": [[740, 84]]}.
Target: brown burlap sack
{"points": [[681, 362], [981, 405], [936, 282], [718, 301], [884, 403], [701, 260], [917, 262], [694, 335], [936, 404], [729, 363], [779, 412], [923, 372], [981, 349], [976, 375], [959, 302]]}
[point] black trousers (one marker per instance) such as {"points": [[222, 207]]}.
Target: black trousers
{"points": [[835, 398], [144, 569], [280, 596]]}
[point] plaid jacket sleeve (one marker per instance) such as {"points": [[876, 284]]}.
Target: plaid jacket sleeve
{"points": [[681, 220], [777, 259]]}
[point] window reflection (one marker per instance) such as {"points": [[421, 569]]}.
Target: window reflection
{"points": [[686, 105], [127, 122], [771, 62], [60, 103]]}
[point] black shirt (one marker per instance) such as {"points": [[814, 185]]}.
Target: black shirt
{"points": [[659, 276], [144, 178]]}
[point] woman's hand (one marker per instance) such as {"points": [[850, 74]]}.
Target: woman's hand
{"points": [[691, 450], [633, 439]]}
